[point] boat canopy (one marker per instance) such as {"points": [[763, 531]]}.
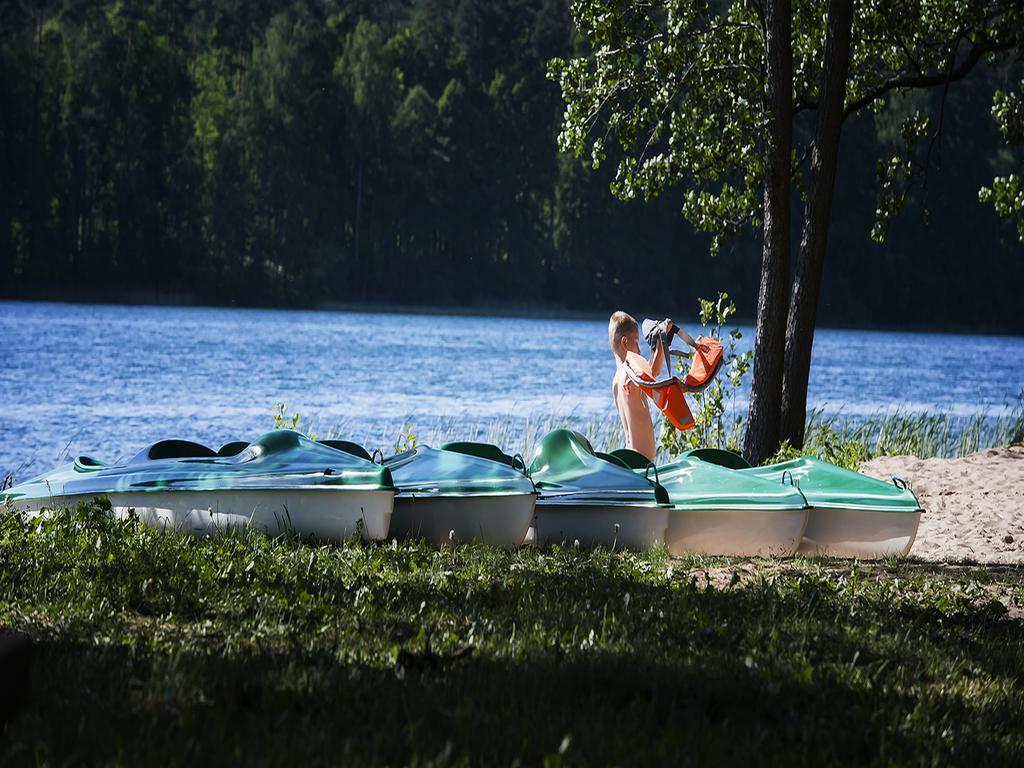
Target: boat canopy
{"points": [[566, 467], [695, 484], [828, 486], [823, 484], [279, 460], [428, 471]]}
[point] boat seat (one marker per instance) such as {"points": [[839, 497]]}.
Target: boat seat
{"points": [[613, 459], [347, 446], [718, 456], [174, 449], [632, 459], [233, 448], [480, 450]]}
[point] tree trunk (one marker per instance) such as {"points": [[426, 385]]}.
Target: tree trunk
{"points": [[762, 437], [803, 301]]}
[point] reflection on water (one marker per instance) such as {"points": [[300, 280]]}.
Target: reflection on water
{"points": [[107, 379]]}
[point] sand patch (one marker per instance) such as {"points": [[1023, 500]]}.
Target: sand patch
{"points": [[974, 506]]}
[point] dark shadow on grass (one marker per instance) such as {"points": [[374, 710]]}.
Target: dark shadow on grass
{"points": [[695, 686]]}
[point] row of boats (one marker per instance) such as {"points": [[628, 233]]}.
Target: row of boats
{"points": [[707, 501]]}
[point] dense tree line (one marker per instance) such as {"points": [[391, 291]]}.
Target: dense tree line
{"points": [[293, 153]]}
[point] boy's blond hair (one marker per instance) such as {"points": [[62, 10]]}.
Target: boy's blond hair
{"points": [[621, 325]]}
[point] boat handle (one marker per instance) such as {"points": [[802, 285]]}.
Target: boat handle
{"points": [[647, 474], [899, 482], [377, 453], [786, 473], [525, 469]]}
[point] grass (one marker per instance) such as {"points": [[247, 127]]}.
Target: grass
{"points": [[921, 434], [516, 434], [842, 440], [151, 648], [917, 434]]}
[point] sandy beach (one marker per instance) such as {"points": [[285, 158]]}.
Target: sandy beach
{"points": [[974, 506]]}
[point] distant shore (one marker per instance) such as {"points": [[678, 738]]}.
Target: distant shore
{"points": [[535, 311]]}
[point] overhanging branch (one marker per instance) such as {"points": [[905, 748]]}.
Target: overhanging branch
{"points": [[927, 81]]}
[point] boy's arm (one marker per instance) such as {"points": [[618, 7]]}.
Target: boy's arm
{"points": [[659, 353], [657, 359]]}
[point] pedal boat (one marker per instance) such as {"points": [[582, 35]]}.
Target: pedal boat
{"points": [[852, 515], [464, 492], [718, 512], [281, 482], [593, 498]]}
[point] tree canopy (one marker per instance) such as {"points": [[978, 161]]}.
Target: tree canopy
{"points": [[712, 98]]}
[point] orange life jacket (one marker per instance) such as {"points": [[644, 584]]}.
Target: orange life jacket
{"points": [[669, 395]]}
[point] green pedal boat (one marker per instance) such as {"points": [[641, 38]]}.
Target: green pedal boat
{"points": [[715, 511], [851, 515], [282, 482], [592, 498], [462, 492]]}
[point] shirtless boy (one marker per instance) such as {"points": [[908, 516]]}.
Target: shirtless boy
{"points": [[624, 336]]}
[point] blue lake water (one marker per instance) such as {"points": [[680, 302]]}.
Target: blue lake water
{"points": [[106, 380]]}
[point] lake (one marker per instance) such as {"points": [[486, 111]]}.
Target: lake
{"points": [[107, 380]]}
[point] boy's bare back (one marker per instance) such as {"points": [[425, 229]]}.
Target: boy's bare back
{"points": [[634, 413]]}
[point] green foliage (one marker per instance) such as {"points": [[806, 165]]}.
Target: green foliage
{"points": [[285, 420], [896, 174], [407, 440], [1006, 194], [850, 442], [925, 434], [673, 93], [680, 87], [719, 422], [155, 648], [827, 443]]}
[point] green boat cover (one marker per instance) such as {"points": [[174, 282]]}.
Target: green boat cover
{"points": [[566, 470], [279, 460], [823, 484], [828, 486], [425, 470], [695, 484]]}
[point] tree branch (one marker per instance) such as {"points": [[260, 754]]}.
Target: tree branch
{"points": [[927, 81]]}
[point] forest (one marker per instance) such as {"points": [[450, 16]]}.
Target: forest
{"points": [[308, 153]]}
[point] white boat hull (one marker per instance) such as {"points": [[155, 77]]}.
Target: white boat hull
{"points": [[499, 520], [609, 526], [864, 534], [736, 532], [322, 514]]}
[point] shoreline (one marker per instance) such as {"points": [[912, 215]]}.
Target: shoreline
{"points": [[514, 311]]}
